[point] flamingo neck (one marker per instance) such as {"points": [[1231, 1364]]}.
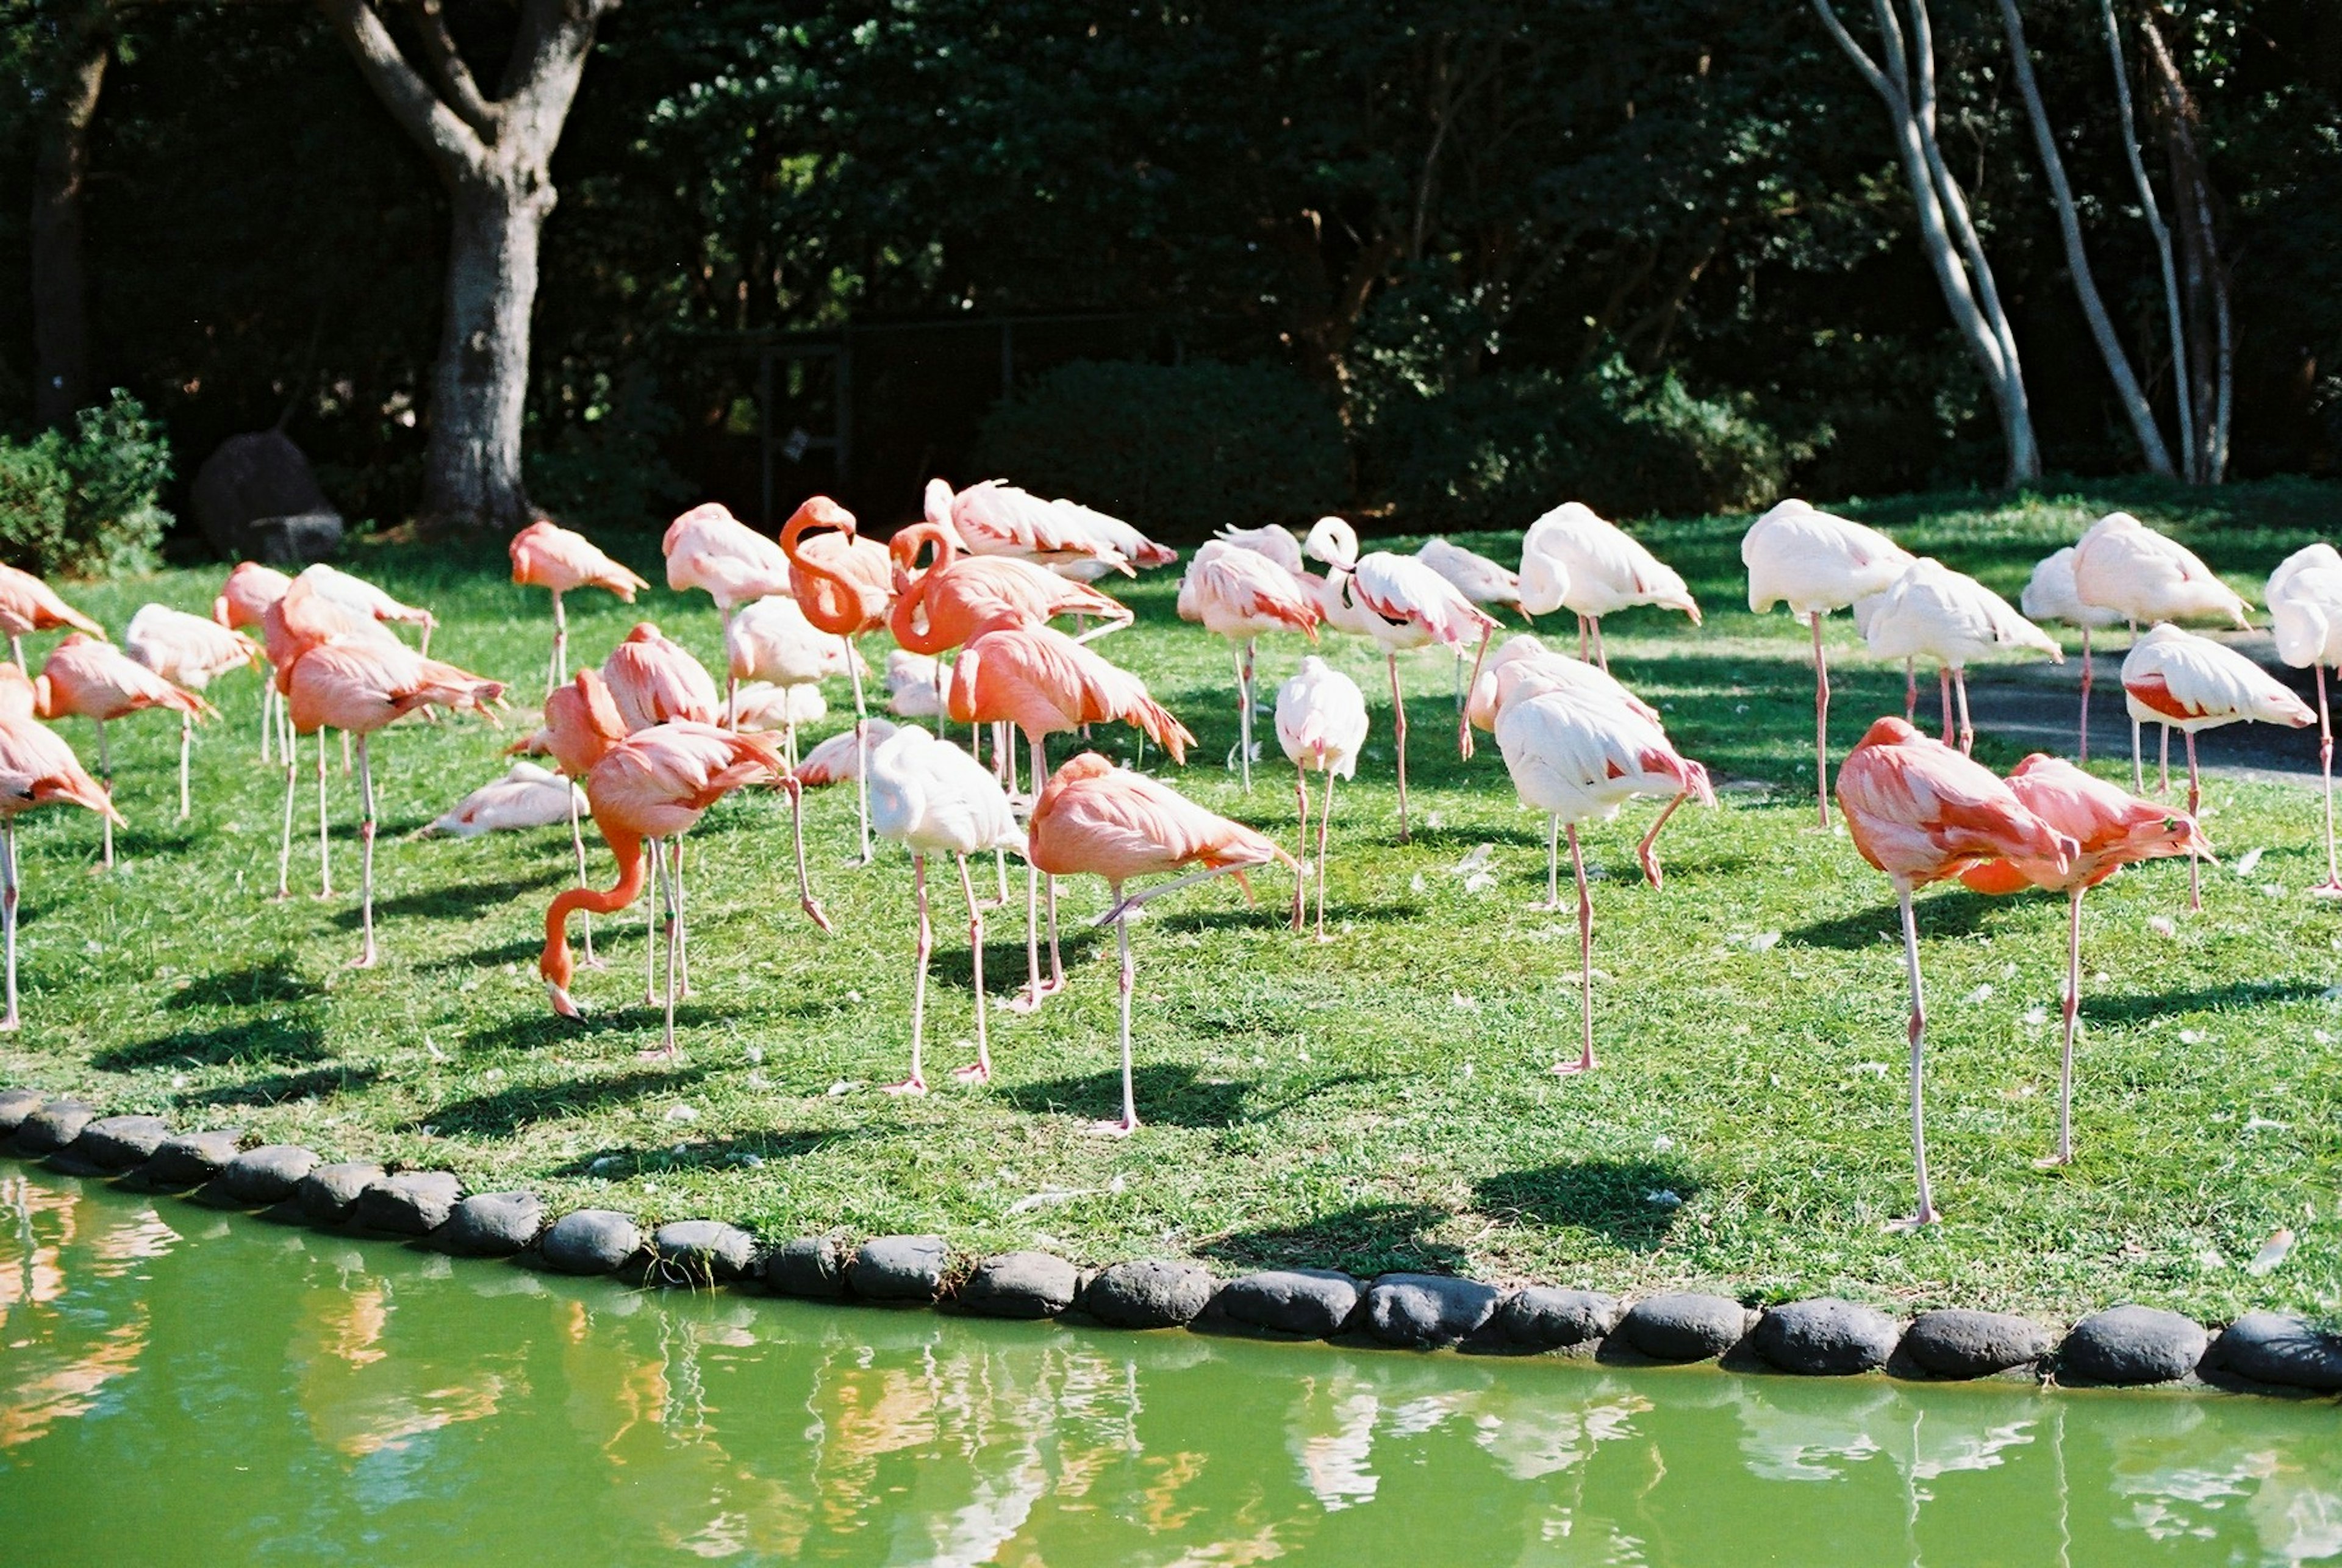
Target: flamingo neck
{"points": [[554, 964]]}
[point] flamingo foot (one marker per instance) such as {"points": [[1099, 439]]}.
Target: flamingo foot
{"points": [[814, 914], [1547, 906], [593, 963], [974, 1073], [1028, 1000], [1919, 1222], [659, 1053], [1117, 1128], [2328, 889], [10, 1024], [366, 960], [1571, 1069], [2053, 1161], [1651, 872], [914, 1085]]}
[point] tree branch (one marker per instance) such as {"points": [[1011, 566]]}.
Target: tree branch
{"points": [[1854, 51], [410, 100], [462, 94]]}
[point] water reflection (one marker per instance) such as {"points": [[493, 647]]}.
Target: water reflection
{"points": [[316, 1399]]}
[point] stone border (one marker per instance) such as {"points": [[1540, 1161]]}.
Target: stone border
{"points": [[2123, 1347]]}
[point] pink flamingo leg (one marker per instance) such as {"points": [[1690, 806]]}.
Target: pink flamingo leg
{"points": [[559, 669], [366, 956], [1944, 681], [2163, 778], [2083, 740], [805, 900], [1244, 714], [187, 737], [1927, 1214], [1035, 990], [674, 944], [1584, 1063], [865, 856], [1462, 724], [1324, 822], [1552, 904], [1601, 655], [651, 900], [106, 783], [2195, 800], [577, 844], [325, 845], [731, 680], [1582, 649], [1967, 728], [2065, 1154], [682, 927], [1398, 729], [980, 1071], [1821, 721], [1646, 855], [1301, 852], [284, 845], [2138, 767], [917, 1083], [1910, 691], [9, 895], [1129, 1123], [2332, 886]]}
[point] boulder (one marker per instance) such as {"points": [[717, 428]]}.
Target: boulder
{"points": [[1021, 1284], [1549, 1319], [15, 1104], [256, 498], [1826, 1338], [1149, 1293], [192, 1157], [2271, 1347], [410, 1204], [702, 1252], [1315, 1302], [1684, 1326], [51, 1126], [1958, 1342], [2131, 1345], [807, 1267], [591, 1242], [268, 1174], [119, 1142], [328, 1193], [899, 1268], [492, 1225], [1418, 1312]]}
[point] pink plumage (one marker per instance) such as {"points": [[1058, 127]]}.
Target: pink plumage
{"points": [[547, 555], [654, 680]]}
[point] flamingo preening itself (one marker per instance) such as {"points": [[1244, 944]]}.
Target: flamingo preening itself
{"points": [[709, 549], [547, 555], [188, 650], [1572, 559], [97, 681], [1931, 612], [243, 601]]}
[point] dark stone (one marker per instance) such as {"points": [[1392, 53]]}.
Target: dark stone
{"points": [[270, 1173], [1958, 1342], [1149, 1293], [1826, 1338], [2131, 1345], [1684, 1326], [1417, 1311], [700, 1251], [2271, 1347], [808, 1266], [1021, 1284], [1556, 1320], [591, 1242], [328, 1193], [410, 1204], [192, 1157], [15, 1104], [899, 1268], [1317, 1302], [120, 1142], [492, 1225], [55, 1125], [256, 498]]}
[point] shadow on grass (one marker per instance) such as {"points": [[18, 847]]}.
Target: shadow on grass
{"points": [[279, 1088], [1168, 1092], [1955, 912], [269, 980], [1611, 1197], [2136, 1006], [1367, 1240], [629, 1159], [509, 1110], [461, 900], [285, 1040], [522, 950]]}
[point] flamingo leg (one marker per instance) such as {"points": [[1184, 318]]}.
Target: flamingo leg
{"points": [[559, 670], [1926, 1215], [106, 783], [2332, 885], [325, 844], [1000, 873], [1644, 855], [652, 899], [267, 717], [674, 949], [1821, 721], [805, 900], [731, 676], [1944, 679], [1584, 1063], [980, 1071], [186, 737], [865, 855], [347, 764], [917, 1083], [1601, 655], [2138, 767], [1301, 872], [1552, 904], [1398, 728], [2195, 800], [681, 981], [1325, 823], [2065, 1154], [1128, 983], [1049, 883], [16, 651], [1026, 999], [366, 956], [1910, 691], [2083, 740], [284, 845], [12, 1021], [1462, 724], [1967, 728], [2163, 779], [1581, 640]]}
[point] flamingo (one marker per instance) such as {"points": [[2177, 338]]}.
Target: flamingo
{"points": [[1412, 606], [2122, 564], [653, 784], [914, 685], [2050, 595], [2304, 601], [95, 681], [2112, 829], [1577, 756], [1123, 548], [774, 640], [1273, 540], [359, 687], [1594, 568], [781, 710], [710, 549], [188, 651], [1933, 612], [932, 798], [526, 796], [243, 601], [302, 618], [544, 555], [361, 597], [836, 760], [1240, 595], [1920, 812], [1815, 563], [2188, 684], [995, 518], [1478, 579], [1096, 818], [942, 607], [36, 769], [1042, 681], [29, 605], [845, 585], [1321, 723]]}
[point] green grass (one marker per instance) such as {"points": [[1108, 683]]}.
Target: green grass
{"points": [[1380, 1102]]}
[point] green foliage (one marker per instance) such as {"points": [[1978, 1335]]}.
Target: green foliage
{"points": [[1177, 448], [604, 469], [86, 507]]}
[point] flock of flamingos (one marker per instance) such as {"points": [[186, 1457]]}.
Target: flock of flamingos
{"points": [[653, 743]]}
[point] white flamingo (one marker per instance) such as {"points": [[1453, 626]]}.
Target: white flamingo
{"points": [[2122, 564], [2304, 603], [1932, 612], [1321, 723], [2050, 595], [1599, 568]]}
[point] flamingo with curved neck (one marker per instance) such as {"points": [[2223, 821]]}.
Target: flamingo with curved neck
{"points": [[845, 585]]}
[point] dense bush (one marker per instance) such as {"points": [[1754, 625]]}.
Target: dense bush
{"points": [[603, 470], [1497, 449], [1179, 449], [87, 506]]}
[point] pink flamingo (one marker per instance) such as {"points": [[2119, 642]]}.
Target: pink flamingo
{"points": [[547, 555], [29, 605], [300, 619], [36, 769], [242, 603], [1096, 818], [653, 679], [1321, 724], [361, 597], [95, 681], [710, 549], [188, 650], [2112, 829], [844, 584], [1920, 812], [1240, 595], [994, 518]]}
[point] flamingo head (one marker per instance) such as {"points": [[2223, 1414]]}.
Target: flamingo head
{"points": [[563, 1002], [1333, 542]]}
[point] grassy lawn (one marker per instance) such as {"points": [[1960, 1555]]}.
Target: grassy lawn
{"points": [[1380, 1102]]}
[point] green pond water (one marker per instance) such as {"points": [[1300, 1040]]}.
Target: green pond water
{"points": [[180, 1386]]}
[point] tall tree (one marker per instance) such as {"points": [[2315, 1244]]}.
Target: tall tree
{"points": [[2211, 352], [68, 56], [2153, 213], [494, 154], [1905, 80]]}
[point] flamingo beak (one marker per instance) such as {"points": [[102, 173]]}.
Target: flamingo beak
{"points": [[563, 1002]]}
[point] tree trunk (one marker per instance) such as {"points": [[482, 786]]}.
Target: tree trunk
{"points": [[60, 165], [472, 467], [2181, 400], [2204, 281]]}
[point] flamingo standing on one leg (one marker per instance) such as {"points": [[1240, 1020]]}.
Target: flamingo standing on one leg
{"points": [[361, 597], [710, 549], [29, 605], [2113, 829], [1096, 818], [1920, 812], [1933, 612], [544, 555], [1240, 595], [188, 651], [1815, 563], [2050, 595], [932, 798], [2304, 601], [243, 601], [2188, 683], [1572, 559], [653, 784], [1575, 755], [98, 682], [845, 584], [36, 769], [1321, 723]]}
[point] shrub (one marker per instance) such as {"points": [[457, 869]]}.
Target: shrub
{"points": [[603, 470], [1179, 449], [33, 486], [87, 506]]}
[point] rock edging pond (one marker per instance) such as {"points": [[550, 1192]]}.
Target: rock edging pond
{"points": [[2125, 1345]]}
